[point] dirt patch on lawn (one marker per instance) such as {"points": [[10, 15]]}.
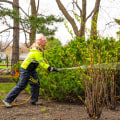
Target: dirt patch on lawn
{"points": [[51, 110]]}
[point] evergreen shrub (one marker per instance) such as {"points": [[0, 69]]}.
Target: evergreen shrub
{"points": [[69, 84]]}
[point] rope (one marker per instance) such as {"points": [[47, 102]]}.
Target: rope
{"points": [[19, 103]]}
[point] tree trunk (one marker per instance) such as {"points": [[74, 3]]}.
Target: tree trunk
{"points": [[33, 28], [68, 17], [83, 21], [84, 18], [15, 47], [95, 19]]}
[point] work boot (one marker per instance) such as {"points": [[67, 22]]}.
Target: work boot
{"points": [[36, 103], [8, 105]]}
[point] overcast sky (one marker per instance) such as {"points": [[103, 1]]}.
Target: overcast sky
{"points": [[109, 9], [48, 7], [106, 26]]}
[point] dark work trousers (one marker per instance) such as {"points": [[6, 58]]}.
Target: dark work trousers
{"points": [[24, 80]]}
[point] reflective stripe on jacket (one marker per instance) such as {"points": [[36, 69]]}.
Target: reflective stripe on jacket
{"points": [[33, 59]]}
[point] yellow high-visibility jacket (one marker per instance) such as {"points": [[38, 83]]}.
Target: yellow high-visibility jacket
{"points": [[33, 59]]}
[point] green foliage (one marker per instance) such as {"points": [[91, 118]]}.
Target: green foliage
{"points": [[11, 13], [8, 12], [17, 66], [6, 87], [40, 23], [117, 21], [62, 85], [69, 84], [2, 96], [53, 43], [4, 65], [16, 77]]}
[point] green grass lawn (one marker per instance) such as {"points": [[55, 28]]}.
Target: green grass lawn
{"points": [[1, 65], [6, 87], [5, 75]]}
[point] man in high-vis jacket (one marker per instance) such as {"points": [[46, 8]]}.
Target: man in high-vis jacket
{"points": [[28, 69]]}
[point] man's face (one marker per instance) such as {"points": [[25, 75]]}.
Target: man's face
{"points": [[43, 42]]}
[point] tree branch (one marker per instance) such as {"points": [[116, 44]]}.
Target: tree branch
{"points": [[25, 35], [76, 3], [7, 45], [38, 6], [24, 12], [15, 5], [90, 14], [7, 2], [66, 14], [7, 22], [6, 29]]}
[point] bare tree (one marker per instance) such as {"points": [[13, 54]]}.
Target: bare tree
{"points": [[82, 15]]}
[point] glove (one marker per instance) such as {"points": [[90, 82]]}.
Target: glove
{"points": [[51, 69]]}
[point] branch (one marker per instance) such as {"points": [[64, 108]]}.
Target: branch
{"points": [[12, 3], [7, 22], [76, 3], [7, 45], [6, 29], [2, 8], [8, 2], [25, 35], [38, 6], [24, 12], [68, 17], [24, 30], [90, 14]]}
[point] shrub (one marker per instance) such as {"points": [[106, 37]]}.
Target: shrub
{"points": [[70, 84], [16, 77], [64, 85]]}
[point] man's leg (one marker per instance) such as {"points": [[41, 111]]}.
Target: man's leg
{"points": [[35, 85], [24, 77]]}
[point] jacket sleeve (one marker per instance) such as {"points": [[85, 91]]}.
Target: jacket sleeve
{"points": [[39, 58]]}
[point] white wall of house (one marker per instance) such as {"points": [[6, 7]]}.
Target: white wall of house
{"points": [[3, 56], [23, 56]]}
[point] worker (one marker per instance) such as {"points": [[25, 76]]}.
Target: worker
{"points": [[28, 69]]}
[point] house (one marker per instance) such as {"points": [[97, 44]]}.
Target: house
{"points": [[22, 56], [2, 57], [23, 51]]}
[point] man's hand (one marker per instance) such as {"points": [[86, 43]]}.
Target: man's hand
{"points": [[51, 69]]}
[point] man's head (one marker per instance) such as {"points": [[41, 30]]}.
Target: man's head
{"points": [[41, 41]]}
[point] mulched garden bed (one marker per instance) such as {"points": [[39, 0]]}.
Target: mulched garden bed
{"points": [[52, 110]]}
